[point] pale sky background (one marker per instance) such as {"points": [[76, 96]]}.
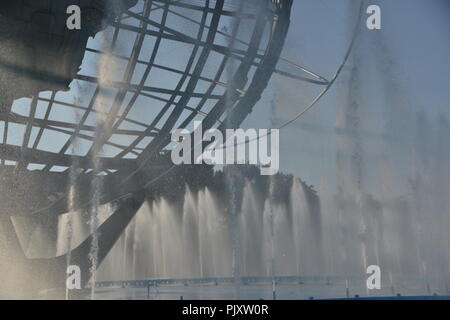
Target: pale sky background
{"points": [[400, 70]]}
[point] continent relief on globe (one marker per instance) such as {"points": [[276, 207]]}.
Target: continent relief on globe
{"points": [[38, 52]]}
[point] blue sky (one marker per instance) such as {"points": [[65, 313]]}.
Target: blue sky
{"points": [[397, 71]]}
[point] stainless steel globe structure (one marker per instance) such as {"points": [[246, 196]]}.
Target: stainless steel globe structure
{"points": [[179, 61], [103, 109]]}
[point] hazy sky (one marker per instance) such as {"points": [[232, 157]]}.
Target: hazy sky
{"points": [[398, 70]]}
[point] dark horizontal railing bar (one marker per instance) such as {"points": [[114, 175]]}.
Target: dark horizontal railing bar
{"points": [[218, 280]]}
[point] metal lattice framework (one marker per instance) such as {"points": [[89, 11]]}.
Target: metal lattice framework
{"points": [[158, 67]]}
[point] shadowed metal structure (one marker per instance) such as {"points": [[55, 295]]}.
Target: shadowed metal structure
{"points": [[219, 80], [105, 108]]}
